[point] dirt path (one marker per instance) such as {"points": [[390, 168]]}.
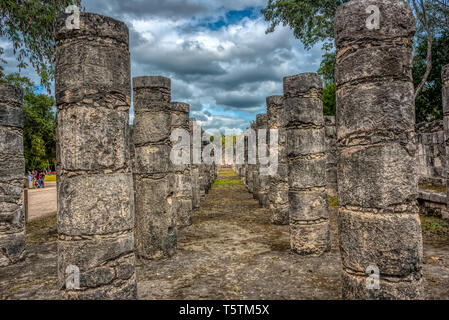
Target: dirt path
{"points": [[42, 202], [230, 252]]}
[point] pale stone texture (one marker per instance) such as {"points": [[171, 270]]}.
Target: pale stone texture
{"points": [[156, 230], [252, 166], [331, 156], [182, 197], [309, 218], [278, 187], [12, 169], [195, 168], [263, 180], [95, 185], [378, 220]]}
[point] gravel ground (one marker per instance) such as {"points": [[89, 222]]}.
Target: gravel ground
{"points": [[230, 252]]}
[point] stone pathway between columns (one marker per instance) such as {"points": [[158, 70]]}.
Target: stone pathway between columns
{"points": [[230, 252]]}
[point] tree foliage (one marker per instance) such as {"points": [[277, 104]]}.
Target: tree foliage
{"points": [[429, 105], [29, 26], [39, 134], [312, 22]]}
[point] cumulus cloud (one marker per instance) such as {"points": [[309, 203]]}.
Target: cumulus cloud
{"points": [[216, 52]]}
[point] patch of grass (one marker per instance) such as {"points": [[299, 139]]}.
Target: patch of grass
{"points": [[434, 225], [50, 178], [334, 203], [224, 182], [431, 187], [41, 230], [435, 230], [39, 224]]}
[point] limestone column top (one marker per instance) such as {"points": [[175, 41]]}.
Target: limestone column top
{"points": [[396, 20], [181, 107], [151, 82], [300, 84], [92, 25]]}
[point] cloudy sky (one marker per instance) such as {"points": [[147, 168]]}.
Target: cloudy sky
{"points": [[216, 52]]}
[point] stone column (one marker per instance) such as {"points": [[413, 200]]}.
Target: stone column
{"points": [[182, 199], [156, 232], [12, 169], [257, 126], [95, 184], [263, 180], [309, 218], [331, 156], [278, 190], [195, 168], [379, 225], [445, 78]]}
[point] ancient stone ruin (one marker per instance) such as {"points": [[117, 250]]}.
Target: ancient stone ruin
{"points": [[120, 196], [306, 148], [12, 168], [182, 196], [278, 189], [379, 226], [156, 231], [95, 183]]}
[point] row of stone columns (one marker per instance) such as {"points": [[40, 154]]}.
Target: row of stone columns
{"points": [[379, 227], [98, 234], [112, 207]]}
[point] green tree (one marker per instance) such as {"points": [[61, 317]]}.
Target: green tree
{"points": [[429, 105], [39, 134], [329, 99], [29, 26], [312, 22]]}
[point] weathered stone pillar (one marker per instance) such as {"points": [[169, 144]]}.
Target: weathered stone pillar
{"points": [[263, 179], [278, 190], [309, 217], [445, 78], [379, 225], [182, 199], [256, 168], [12, 169], [195, 167], [331, 156], [156, 232], [95, 184]]}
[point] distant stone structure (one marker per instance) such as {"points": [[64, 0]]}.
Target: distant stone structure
{"points": [[306, 148], [278, 187], [95, 184], [156, 230], [195, 167], [379, 225], [12, 169], [331, 157], [262, 180], [182, 198]]}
